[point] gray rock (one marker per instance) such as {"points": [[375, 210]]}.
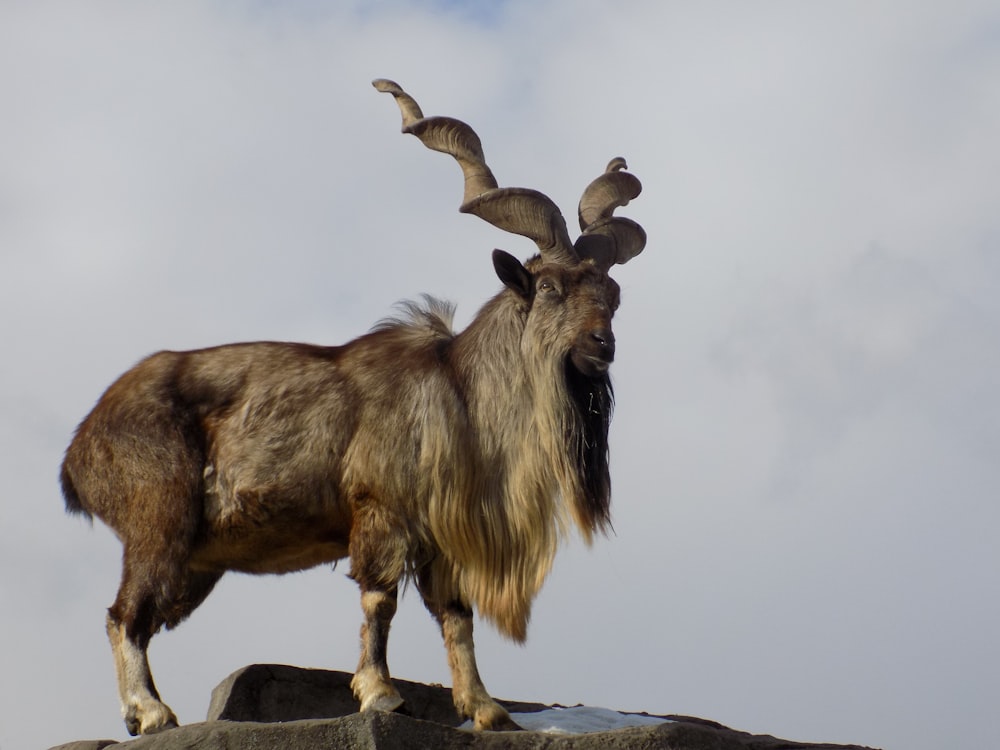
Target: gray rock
{"points": [[380, 731], [276, 692], [273, 706]]}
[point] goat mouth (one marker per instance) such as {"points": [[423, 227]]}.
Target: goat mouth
{"points": [[592, 365]]}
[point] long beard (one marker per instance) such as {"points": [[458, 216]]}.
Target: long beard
{"points": [[593, 400]]}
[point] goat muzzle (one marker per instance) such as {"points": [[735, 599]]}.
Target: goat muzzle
{"points": [[594, 352]]}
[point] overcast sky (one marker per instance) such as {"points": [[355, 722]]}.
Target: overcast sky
{"points": [[806, 449]]}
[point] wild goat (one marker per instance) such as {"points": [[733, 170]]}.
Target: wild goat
{"points": [[456, 461]]}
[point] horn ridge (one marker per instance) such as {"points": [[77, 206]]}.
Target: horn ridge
{"points": [[529, 213], [611, 242], [450, 136], [609, 239], [522, 211], [408, 106], [603, 195]]}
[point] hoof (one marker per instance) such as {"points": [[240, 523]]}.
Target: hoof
{"points": [[132, 726], [170, 724], [494, 718], [506, 724], [375, 692], [155, 718], [386, 703]]}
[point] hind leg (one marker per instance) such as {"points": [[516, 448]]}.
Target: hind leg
{"points": [[142, 709], [132, 621], [146, 601]]}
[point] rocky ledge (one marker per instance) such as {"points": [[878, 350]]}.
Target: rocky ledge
{"points": [[275, 706]]}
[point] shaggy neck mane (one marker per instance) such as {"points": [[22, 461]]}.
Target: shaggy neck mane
{"points": [[541, 429]]}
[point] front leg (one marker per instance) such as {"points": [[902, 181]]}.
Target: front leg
{"points": [[468, 692], [378, 549], [371, 683]]}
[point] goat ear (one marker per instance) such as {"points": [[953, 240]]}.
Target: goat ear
{"points": [[513, 275]]}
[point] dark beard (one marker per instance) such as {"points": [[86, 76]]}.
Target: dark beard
{"points": [[593, 400]]}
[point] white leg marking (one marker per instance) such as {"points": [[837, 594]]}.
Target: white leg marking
{"points": [[142, 709], [371, 683]]}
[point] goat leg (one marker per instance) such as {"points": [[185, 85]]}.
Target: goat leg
{"points": [[468, 692], [142, 709], [371, 683]]}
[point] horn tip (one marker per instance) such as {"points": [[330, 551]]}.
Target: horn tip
{"points": [[616, 164], [386, 86]]}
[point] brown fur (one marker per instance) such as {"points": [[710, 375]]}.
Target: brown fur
{"points": [[457, 460]]}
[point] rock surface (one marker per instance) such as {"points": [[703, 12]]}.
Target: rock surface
{"points": [[275, 706], [276, 692]]}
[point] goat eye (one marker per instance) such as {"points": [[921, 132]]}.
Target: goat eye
{"points": [[545, 285]]}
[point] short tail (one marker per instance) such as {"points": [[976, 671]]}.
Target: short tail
{"points": [[73, 502]]}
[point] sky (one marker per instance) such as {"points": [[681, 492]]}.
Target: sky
{"points": [[807, 433]]}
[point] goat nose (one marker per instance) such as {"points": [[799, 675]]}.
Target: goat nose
{"points": [[604, 339]]}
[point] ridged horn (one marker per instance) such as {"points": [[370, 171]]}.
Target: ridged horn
{"points": [[608, 239], [522, 211]]}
